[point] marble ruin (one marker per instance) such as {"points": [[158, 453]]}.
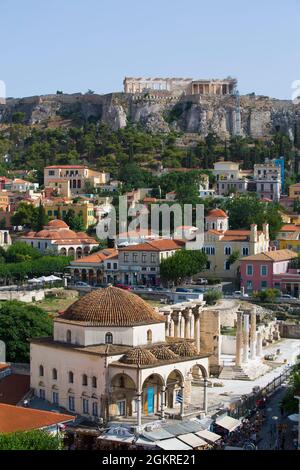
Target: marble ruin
{"points": [[180, 86]]}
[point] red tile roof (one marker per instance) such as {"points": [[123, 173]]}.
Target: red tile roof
{"points": [[13, 388], [15, 418], [98, 257], [217, 213], [276, 255], [154, 245], [76, 167]]}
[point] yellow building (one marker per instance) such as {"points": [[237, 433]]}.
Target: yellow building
{"points": [[290, 242], [86, 210], [294, 191], [4, 201]]}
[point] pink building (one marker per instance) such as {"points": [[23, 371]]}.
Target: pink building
{"points": [[271, 269]]}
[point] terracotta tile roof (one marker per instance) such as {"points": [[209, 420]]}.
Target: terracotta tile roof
{"points": [[290, 228], [138, 356], [57, 223], [184, 349], [154, 245], [13, 388], [163, 353], [76, 167], [233, 235], [4, 366], [98, 257], [217, 213], [111, 307], [276, 255], [15, 418]]}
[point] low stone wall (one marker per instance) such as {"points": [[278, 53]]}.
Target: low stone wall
{"points": [[23, 296], [289, 330]]}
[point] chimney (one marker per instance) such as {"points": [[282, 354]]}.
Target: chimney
{"points": [[253, 234]]}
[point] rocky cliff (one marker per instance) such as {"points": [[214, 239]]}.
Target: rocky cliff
{"points": [[259, 115]]}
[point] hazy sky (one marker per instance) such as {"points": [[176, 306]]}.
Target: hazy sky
{"points": [[74, 45]]}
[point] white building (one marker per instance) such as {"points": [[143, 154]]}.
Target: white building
{"points": [[113, 356]]}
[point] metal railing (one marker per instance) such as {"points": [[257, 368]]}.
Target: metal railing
{"points": [[248, 403]]}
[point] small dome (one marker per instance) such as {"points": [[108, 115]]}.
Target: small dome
{"points": [[163, 353], [112, 307], [217, 213], [184, 349], [56, 223], [138, 356]]}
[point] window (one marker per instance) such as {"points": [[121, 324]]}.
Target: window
{"points": [[94, 382], [249, 285], [153, 257], [85, 405], [264, 270], [108, 265], [108, 338], [134, 257], [42, 394], [95, 409], [84, 380], [125, 257], [41, 371], [149, 336], [54, 374], [69, 336], [227, 250], [51, 172], [121, 404], [115, 265], [249, 270], [71, 403], [208, 265], [245, 251], [143, 257], [55, 398], [264, 284], [227, 266], [50, 213], [71, 377]]}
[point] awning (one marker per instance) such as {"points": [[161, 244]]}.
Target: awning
{"points": [[192, 440], [172, 444], [228, 423], [208, 436]]}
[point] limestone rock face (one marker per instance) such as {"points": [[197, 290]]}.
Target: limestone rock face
{"points": [[259, 115]]}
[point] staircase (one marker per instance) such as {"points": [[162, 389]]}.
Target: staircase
{"points": [[249, 371]]}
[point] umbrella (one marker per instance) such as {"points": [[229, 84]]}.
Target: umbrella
{"points": [[34, 280], [294, 417]]}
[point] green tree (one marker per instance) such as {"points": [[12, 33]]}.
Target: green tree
{"points": [[21, 251], [30, 440], [234, 257], [183, 264], [40, 218], [18, 323], [24, 215]]}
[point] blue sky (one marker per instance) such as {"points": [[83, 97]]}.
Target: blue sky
{"points": [[74, 45]]}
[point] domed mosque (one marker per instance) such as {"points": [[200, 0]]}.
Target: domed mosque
{"points": [[112, 357]]}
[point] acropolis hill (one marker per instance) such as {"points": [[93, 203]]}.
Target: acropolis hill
{"points": [[160, 110]]}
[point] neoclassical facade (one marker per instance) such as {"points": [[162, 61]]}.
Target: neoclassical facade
{"points": [[113, 356]]}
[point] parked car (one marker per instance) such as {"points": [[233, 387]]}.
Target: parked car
{"points": [[123, 286], [270, 357], [182, 289], [239, 294], [287, 297], [145, 288], [201, 280], [81, 284], [159, 289]]}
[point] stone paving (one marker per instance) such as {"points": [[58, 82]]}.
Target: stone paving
{"points": [[234, 389]]}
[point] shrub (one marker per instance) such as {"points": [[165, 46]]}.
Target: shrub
{"points": [[211, 296]]}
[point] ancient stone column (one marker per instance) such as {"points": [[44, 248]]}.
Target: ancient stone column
{"points": [[177, 319], [167, 324], [259, 341], [197, 331], [239, 337], [192, 325], [253, 335], [246, 338], [187, 329], [182, 326], [172, 328], [139, 408]]}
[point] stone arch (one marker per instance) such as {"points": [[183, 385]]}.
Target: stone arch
{"points": [[175, 381], [123, 395], [79, 252], [71, 252], [151, 393], [198, 371], [91, 277], [86, 250], [84, 275], [63, 252], [76, 275]]}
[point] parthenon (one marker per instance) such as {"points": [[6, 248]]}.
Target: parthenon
{"points": [[180, 86]]}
